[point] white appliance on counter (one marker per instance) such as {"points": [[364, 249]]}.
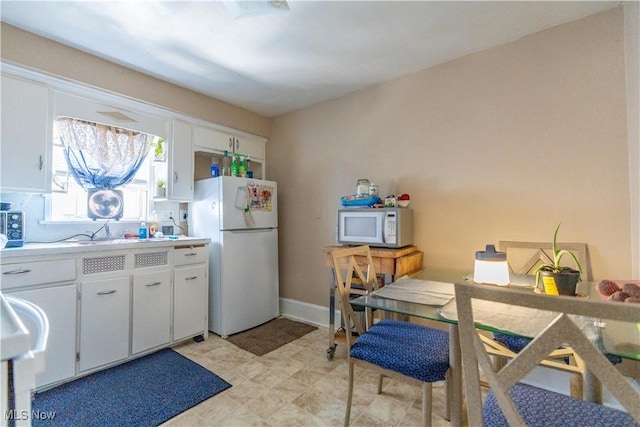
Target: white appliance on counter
{"points": [[240, 216]]}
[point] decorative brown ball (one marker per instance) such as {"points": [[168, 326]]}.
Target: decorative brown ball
{"points": [[632, 289], [618, 296], [608, 287]]}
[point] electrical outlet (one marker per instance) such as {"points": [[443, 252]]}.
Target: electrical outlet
{"points": [[166, 215], [183, 215]]}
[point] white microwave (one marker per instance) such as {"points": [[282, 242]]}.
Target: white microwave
{"points": [[385, 227]]}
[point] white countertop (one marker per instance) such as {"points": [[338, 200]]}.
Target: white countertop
{"points": [[68, 247]]}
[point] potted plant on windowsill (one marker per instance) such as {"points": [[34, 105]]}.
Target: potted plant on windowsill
{"points": [[158, 150], [161, 189], [557, 279]]}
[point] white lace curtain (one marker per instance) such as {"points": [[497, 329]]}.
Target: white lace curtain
{"points": [[101, 156]]}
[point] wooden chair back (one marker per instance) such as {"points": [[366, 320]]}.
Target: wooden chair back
{"points": [[355, 274], [561, 331], [525, 257]]}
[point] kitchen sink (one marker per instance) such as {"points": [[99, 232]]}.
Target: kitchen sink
{"points": [[102, 242]]}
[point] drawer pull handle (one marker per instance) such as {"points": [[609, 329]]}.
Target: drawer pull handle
{"points": [[191, 278], [112, 291], [153, 284], [26, 270], [191, 254]]}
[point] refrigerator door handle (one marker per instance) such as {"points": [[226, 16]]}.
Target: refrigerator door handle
{"points": [[251, 230]]}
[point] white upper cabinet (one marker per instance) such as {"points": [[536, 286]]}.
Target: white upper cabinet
{"points": [[180, 174], [109, 112], [210, 139], [30, 108], [217, 141], [25, 147], [254, 147]]}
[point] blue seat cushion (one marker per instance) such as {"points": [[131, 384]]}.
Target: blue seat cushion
{"points": [[516, 344], [539, 407], [414, 350], [513, 343]]}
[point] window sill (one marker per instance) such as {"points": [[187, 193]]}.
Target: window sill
{"points": [[86, 221]]}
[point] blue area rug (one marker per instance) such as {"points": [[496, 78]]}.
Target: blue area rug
{"points": [[144, 392]]}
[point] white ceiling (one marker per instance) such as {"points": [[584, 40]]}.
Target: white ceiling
{"points": [[278, 62]]}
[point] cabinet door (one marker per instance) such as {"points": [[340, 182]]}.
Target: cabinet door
{"points": [[252, 147], [59, 304], [26, 137], [189, 302], [180, 179], [211, 139], [151, 323], [104, 316]]}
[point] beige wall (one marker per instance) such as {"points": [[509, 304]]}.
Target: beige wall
{"points": [[500, 145], [632, 61], [468, 140], [29, 50]]}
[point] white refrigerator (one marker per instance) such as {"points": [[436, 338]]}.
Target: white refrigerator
{"points": [[240, 216]]}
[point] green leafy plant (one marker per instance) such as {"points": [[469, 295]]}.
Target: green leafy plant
{"points": [[555, 267], [159, 147], [160, 183]]}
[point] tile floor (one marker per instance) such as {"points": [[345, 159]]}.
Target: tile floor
{"points": [[296, 385]]}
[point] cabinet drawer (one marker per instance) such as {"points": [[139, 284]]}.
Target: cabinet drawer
{"points": [[37, 272], [190, 255]]}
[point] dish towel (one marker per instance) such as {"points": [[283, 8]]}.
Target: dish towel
{"points": [[418, 291]]}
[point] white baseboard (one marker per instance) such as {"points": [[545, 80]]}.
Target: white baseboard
{"points": [[308, 313]]}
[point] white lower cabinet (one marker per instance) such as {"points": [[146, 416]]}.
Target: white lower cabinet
{"points": [[104, 322], [59, 304], [189, 301], [151, 322], [107, 307]]}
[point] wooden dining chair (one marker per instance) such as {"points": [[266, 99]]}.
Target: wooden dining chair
{"points": [[523, 258], [510, 402], [396, 349]]}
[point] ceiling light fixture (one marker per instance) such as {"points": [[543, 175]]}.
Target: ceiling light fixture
{"points": [[244, 8]]}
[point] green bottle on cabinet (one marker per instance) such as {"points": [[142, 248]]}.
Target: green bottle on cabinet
{"points": [[234, 166], [242, 167]]}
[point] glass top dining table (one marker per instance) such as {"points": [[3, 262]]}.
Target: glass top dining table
{"points": [[621, 340], [618, 342]]}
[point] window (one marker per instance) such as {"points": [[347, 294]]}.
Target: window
{"points": [[69, 201]]}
